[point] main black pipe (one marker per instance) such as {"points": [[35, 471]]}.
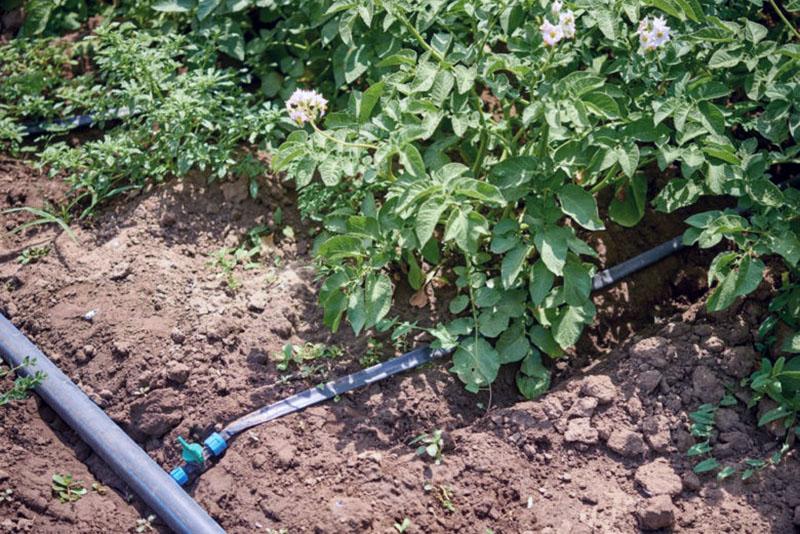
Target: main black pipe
{"points": [[144, 476]]}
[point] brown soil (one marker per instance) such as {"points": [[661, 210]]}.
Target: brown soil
{"points": [[173, 350]]}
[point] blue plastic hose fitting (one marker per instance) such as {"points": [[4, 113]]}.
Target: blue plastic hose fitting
{"points": [[216, 444], [180, 476]]}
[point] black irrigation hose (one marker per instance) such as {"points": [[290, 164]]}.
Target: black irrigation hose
{"points": [[78, 121]]}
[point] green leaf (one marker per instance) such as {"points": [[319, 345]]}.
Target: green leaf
{"points": [[206, 7], [677, 194], [541, 282], [726, 472], [773, 415], [173, 6], [581, 206], [628, 158], [412, 160], [512, 264], [476, 363], [628, 205], [377, 298], [369, 99], [543, 339], [458, 304], [787, 245], [577, 282], [552, 246], [706, 465], [340, 247], [568, 326], [698, 449], [428, 217], [512, 345], [792, 344], [533, 378]]}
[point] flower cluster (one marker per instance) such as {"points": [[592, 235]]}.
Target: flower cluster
{"points": [[306, 106], [653, 33], [552, 33]]}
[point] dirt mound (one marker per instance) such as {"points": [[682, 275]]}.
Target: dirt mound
{"points": [[172, 348]]}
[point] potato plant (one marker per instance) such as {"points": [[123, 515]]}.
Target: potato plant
{"points": [[483, 132]]}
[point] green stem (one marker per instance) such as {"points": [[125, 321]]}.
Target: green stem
{"points": [[607, 179], [343, 143], [784, 19], [418, 36]]}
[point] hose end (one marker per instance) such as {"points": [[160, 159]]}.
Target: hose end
{"points": [[216, 444], [180, 476]]}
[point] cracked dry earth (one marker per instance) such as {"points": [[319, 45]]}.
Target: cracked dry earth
{"points": [[172, 350]]}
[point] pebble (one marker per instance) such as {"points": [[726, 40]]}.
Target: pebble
{"points": [[580, 430], [706, 386], [178, 372], [656, 513], [649, 380], [626, 443], [583, 407], [177, 336], [257, 301], [120, 271], [658, 478], [600, 387]]}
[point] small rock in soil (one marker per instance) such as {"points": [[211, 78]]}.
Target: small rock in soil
{"points": [[580, 430], [658, 478], [120, 272], [714, 344], [583, 407], [656, 431], [649, 380], [726, 419], [178, 372], [258, 301], [85, 354], [626, 442], [656, 513], [177, 336], [691, 482], [120, 349], [282, 328], [652, 350], [738, 361], [706, 385], [600, 387]]}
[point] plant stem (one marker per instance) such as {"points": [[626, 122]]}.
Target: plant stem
{"points": [[339, 141], [784, 19], [418, 36]]}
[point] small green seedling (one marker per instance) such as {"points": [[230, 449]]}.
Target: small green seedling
{"points": [[432, 445], [22, 385], [67, 488], [444, 495], [403, 525], [6, 495], [372, 356], [145, 524], [32, 255], [308, 352]]}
